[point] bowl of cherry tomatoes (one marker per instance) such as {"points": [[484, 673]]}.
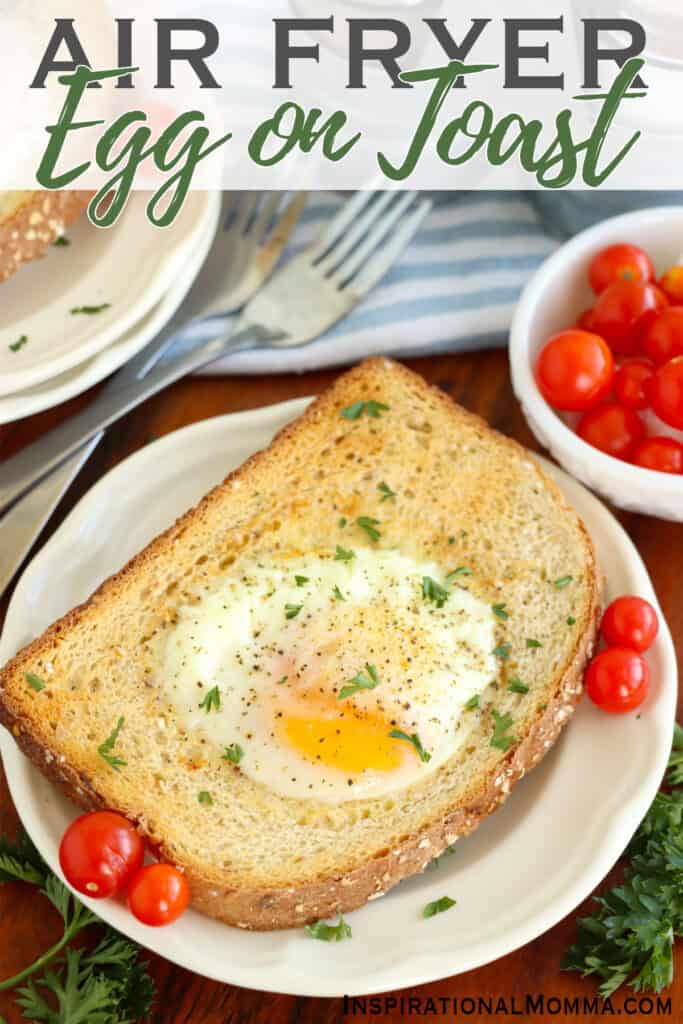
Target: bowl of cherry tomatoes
{"points": [[596, 353]]}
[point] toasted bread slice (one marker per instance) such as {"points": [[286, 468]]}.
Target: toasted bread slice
{"points": [[464, 496], [31, 221]]}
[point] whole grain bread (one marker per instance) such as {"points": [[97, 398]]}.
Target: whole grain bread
{"points": [[31, 221], [465, 495]]}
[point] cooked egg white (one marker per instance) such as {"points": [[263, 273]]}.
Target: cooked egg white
{"points": [[282, 639]]}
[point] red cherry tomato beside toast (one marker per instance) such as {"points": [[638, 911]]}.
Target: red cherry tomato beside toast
{"points": [[630, 621], [617, 680], [158, 894], [100, 852]]}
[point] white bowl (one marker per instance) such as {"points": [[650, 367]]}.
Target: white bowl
{"points": [[551, 302]]}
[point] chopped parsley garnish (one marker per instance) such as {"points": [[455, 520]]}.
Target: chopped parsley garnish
{"points": [[473, 702], [370, 525], [562, 582], [105, 748], [397, 734], [451, 540], [234, 752], [501, 724], [499, 611], [371, 408], [448, 852], [433, 591], [342, 555], [212, 700], [62, 241], [360, 682], [571, 621], [330, 932], [338, 594], [342, 522], [438, 906], [19, 343], [89, 310], [283, 680], [532, 644], [502, 651], [462, 570], [515, 685], [205, 797], [301, 581], [386, 492], [34, 681], [292, 610]]}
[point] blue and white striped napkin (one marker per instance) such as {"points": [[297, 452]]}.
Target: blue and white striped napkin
{"points": [[454, 289]]}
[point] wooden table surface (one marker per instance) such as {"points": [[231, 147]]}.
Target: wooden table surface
{"points": [[481, 382]]}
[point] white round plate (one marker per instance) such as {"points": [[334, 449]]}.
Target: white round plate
{"points": [[525, 867], [85, 375], [130, 265]]}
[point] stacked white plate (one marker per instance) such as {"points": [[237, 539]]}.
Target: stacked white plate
{"points": [[127, 281]]}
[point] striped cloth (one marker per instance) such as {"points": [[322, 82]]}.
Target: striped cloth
{"points": [[454, 289]]}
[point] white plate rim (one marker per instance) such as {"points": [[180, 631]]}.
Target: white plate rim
{"points": [[85, 375], [426, 963], [173, 245]]}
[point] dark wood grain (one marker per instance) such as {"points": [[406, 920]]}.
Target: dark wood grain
{"points": [[481, 382]]}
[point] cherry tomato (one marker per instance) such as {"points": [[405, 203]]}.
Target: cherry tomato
{"points": [[630, 622], [613, 429], [99, 852], [630, 383], [619, 263], [617, 680], [158, 894], [666, 392], [574, 370], [585, 321], [663, 338], [661, 453], [672, 284], [624, 311]]}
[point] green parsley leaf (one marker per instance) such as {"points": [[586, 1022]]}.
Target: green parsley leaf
{"points": [[369, 524], [562, 582], [451, 540], [438, 906], [386, 492], [371, 408], [397, 734], [342, 522], [90, 310], [502, 651], [283, 680], [360, 682], [292, 610], [21, 862], [433, 591], [531, 643], [301, 581], [338, 594], [516, 685], [342, 555], [473, 702], [234, 752], [204, 797], [448, 852], [571, 621], [34, 681], [501, 724], [18, 344], [499, 611], [212, 700], [61, 242], [105, 748], [330, 932], [462, 570]]}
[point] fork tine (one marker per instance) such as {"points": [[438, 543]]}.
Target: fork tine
{"points": [[331, 232], [246, 207], [379, 264], [358, 230], [264, 219], [228, 208], [347, 269], [273, 245]]}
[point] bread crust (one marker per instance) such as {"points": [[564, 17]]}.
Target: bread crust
{"points": [[32, 228], [295, 905]]}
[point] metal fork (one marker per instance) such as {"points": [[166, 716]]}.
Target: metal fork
{"points": [[249, 242], [298, 304]]}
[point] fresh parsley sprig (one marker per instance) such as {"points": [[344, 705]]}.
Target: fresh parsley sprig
{"points": [[398, 734], [330, 932], [106, 747], [360, 682], [433, 591]]}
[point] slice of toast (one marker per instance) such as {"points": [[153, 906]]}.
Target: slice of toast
{"points": [[462, 496], [31, 221]]}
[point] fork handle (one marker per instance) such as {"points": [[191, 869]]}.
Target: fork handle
{"points": [[32, 463]]}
